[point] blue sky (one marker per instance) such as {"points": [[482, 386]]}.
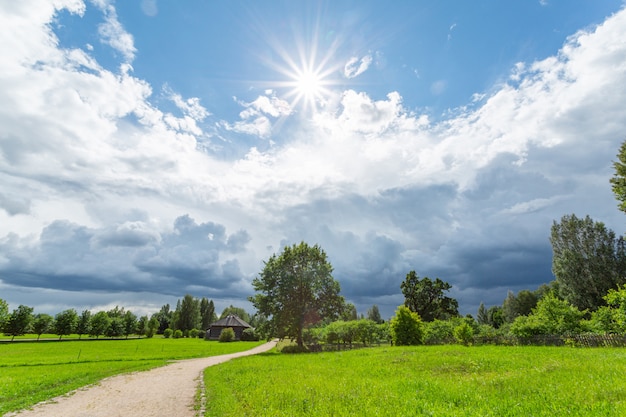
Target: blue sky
{"points": [[150, 149]]}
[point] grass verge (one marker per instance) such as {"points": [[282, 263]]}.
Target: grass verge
{"points": [[423, 381], [34, 372]]}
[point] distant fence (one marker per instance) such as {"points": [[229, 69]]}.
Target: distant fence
{"points": [[579, 340]]}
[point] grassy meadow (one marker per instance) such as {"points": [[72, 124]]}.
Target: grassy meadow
{"points": [[31, 372], [423, 381]]}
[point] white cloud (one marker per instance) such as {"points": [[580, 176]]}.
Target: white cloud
{"points": [[357, 66], [254, 118], [112, 32]]}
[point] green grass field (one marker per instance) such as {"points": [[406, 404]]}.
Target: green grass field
{"points": [[423, 381], [31, 372]]}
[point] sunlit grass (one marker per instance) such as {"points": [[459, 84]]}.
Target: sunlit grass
{"points": [[33, 372], [427, 380]]}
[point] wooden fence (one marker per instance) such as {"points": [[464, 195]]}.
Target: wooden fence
{"points": [[579, 340]]}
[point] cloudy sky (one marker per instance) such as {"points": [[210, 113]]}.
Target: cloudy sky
{"points": [[151, 148]]}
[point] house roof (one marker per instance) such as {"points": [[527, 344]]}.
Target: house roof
{"points": [[231, 321]]}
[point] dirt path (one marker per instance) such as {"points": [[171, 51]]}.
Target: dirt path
{"points": [[165, 391]]}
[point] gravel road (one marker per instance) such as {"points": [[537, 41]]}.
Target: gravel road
{"points": [[165, 391]]}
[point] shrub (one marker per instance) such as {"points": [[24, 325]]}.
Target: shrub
{"points": [[406, 327], [167, 333], [464, 333], [193, 333], [439, 332], [178, 334], [227, 335], [249, 335]]}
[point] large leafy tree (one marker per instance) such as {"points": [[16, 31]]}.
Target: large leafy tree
{"points": [[99, 324], [296, 289], [65, 322], [42, 323], [588, 260], [19, 321], [618, 182], [426, 297]]}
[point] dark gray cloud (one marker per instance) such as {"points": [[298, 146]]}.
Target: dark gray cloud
{"points": [[128, 258]]}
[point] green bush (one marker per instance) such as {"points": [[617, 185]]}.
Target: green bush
{"points": [[439, 332], [464, 333], [249, 335], [406, 327], [178, 334], [193, 333], [227, 335], [167, 333]]}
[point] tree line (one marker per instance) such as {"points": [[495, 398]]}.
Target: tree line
{"points": [[190, 315]]}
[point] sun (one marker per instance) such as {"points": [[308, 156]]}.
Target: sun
{"points": [[307, 76], [308, 84]]}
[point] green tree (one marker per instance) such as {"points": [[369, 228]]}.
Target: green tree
{"points": [[164, 316], [612, 317], [152, 327], [588, 260], [426, 298], [495, 317], [19, 321], [142, 325], [83, 323], [349, 312], [406, 327], [116, 327], [618, 182], [481, 314], [42, 323], [373, 314], [518, 305], [207, 313], [130, 323], [65, 322], [99, 324], [188, 314], [4, 313], [296, 290]]}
